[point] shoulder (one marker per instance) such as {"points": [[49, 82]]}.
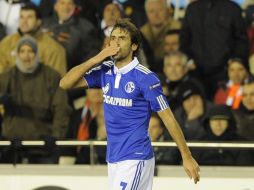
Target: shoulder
{"points": [[8, 73], [84, 21], [105, 67], [53, 74], [145, 28], [145, 75], [142, 70], [49, 21], [46, 41], [85, 24], [10, 39], [174, 24]]}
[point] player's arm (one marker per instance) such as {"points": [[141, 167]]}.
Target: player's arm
{"points": [[190, 165], [74, 78]]}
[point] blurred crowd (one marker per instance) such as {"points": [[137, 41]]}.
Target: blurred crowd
{"points": [[204, 59]]}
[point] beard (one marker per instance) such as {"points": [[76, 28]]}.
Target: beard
{"points": [[121, 55]]}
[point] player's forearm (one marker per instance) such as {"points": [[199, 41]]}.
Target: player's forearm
{"points": [[175, 132], [76, 74]]}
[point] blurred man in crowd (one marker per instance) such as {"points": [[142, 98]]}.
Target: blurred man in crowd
{"points": [[51, 53], [35, 108], [214, 31], [77, 35], [221, 127], [245, 113], [154, 31], [230, 91]]}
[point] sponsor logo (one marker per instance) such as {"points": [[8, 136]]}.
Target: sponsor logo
{"points": [[117, 101], [154, 86], [105, 89], [109, 72], [129, 87]]}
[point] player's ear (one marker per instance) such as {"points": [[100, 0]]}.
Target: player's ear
{"points": [[134, 47]]}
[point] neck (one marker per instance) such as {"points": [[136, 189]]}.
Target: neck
{"points": [[121, 63], [156, 29]]}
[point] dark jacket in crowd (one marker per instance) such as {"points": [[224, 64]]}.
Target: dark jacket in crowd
{"points": [[77, 35], [245, 122], [212, 32], [220, 156], [35, 105], [173, 88]]}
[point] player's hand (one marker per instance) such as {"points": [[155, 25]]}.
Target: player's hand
{"points": [[192, 168], [109, 50]]}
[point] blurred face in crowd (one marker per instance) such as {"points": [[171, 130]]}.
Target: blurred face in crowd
{"points": [[27, 56], [64, 9], [174, 68], [111, 13], [94, 95], [194, 102], [248, 96], [157, 12], [155, 129], [218, 126], [28, 21], [122, 39], [236, 72], [171, 43]]}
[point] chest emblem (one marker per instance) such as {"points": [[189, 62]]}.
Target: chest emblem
{"points": [[129, 87]]}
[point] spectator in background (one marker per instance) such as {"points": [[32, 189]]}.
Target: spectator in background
{"points": [[171, 41], [245, 113], [51, 53], [176, 72], [154, 31], [221, 127], [157, 133], [2, 31], [36, 107], [230, 92], [10, 10], [135, 10], [111, 12], [212, 33], [192, 112], [92, 124], [9, 14], [77, 35]]}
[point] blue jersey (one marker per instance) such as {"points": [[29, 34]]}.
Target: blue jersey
{"points": [[130, 95]]}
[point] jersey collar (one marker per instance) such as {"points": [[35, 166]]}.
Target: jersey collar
{"points": [[127, 68]]}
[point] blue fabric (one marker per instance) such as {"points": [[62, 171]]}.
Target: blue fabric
{"points": [[127, 110]]}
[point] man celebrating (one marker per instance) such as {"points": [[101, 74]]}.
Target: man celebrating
{"points": [[131, 93]]}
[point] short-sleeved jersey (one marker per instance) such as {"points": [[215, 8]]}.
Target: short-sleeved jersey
{"points": [[130, 95]]}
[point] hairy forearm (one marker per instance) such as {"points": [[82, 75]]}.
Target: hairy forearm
{"points": [[175, 132], [76, 74]]}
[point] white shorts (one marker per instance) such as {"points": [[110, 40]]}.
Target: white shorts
{"points": [[131, 175]]}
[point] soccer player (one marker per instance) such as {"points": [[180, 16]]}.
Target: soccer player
{"points": [[131, 92]]}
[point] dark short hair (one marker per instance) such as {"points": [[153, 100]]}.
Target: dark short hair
{"points": [[30, 6], [128, 26], [173, 32]]}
